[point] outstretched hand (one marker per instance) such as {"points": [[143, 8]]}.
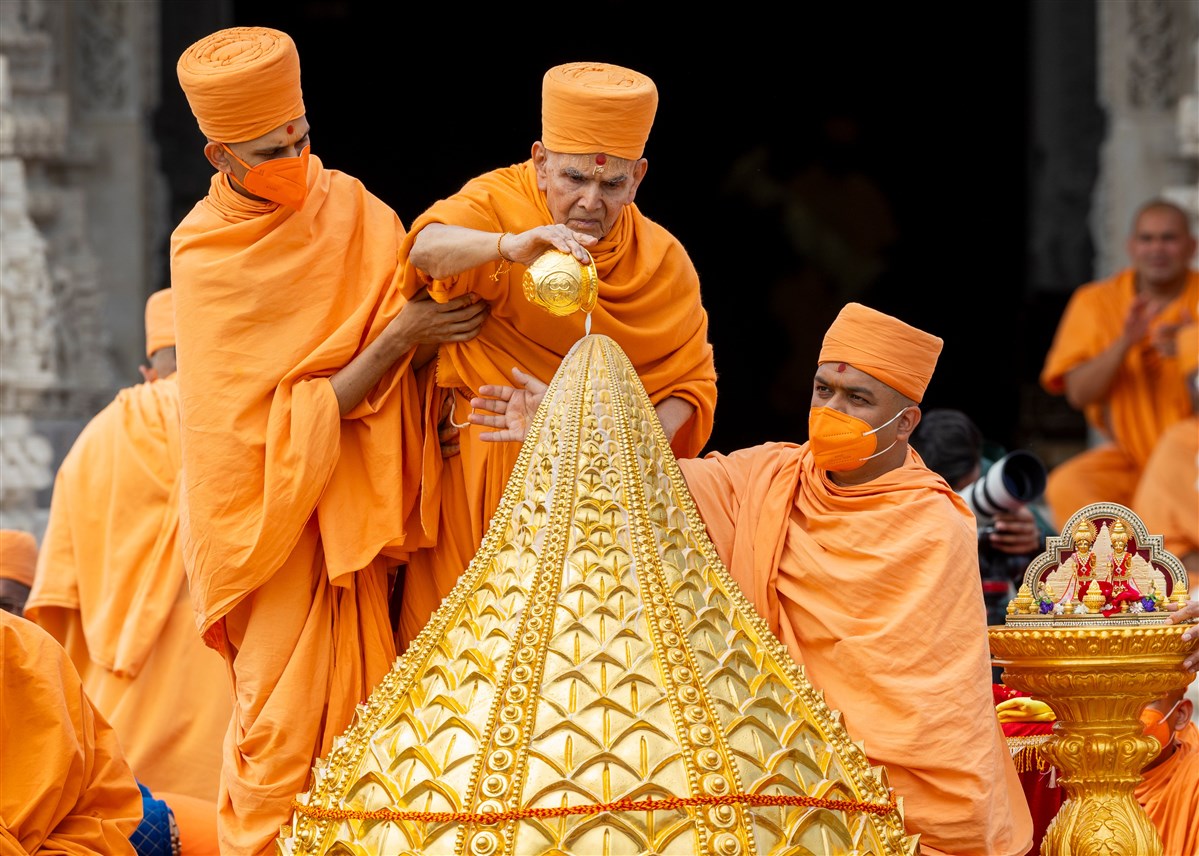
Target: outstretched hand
{"points": [[507, 409], [1187, 612]]}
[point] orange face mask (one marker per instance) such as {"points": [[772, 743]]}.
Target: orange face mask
{"points": [[1157, 724], [282, 180], [842, 442]]}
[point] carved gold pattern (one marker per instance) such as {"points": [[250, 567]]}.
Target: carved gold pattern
{"points": [[1096, 672], [595, 651]]}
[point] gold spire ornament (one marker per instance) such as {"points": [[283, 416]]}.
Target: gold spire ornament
{"points": [[560, 285], [596, 683], [1096, 659]]}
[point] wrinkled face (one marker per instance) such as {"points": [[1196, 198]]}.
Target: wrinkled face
{"points": [[585, 195], [1160, 246]]}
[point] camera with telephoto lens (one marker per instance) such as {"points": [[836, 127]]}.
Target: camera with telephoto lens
{"points": [[1012, 482]]}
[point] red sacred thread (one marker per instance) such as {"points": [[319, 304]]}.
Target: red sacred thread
{"points": [[647, 804]]}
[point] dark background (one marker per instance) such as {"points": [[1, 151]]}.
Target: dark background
{"points": [[806, 156]]}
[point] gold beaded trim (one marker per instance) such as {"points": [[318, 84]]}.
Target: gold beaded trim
{"points": [[647, 804]]}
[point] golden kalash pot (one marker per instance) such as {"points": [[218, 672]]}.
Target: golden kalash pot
{"points": [[1088, 633], [559, 284], [596, 683]]}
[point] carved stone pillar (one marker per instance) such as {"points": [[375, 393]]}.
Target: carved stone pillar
{"points": [[84, 221], [1147, 79]]}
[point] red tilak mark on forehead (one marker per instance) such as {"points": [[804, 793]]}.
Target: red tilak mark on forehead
{"points": [[291, 129], [601, 159], [840, 367]]}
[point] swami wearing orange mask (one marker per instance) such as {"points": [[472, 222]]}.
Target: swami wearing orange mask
{"points": [[1115, 357], [301, 422], [865, 564], [110, 587], [1169, 788], [576, 194]]}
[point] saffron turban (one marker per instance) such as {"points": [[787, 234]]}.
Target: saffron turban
{"points": [[883, 347], [18, 556], [160, 321], [591, 107], [242, 82]]}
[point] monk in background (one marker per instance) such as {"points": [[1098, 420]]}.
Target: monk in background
{"points": [[1115, 358], [865, 564], [1167, 497], [110, 587], [301, 435], [18, 561], [576, 194], [64, 785]]}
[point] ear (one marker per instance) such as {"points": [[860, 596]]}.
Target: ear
{"points": [[218, 157], [1182, 714], [639, 170], [539, 164], [907, 422]]}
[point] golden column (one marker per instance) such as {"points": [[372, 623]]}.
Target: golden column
{"points": [[1097, 661]]}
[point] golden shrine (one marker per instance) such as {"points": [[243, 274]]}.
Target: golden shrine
{"points": [[1088, 633], [596, 683]]}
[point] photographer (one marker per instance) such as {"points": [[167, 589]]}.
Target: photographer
{"points": [[1010, 531]]}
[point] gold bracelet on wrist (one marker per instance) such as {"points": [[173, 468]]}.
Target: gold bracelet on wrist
{"points": [[505, 263]]}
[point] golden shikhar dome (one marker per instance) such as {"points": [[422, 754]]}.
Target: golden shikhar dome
{"points": [[596, 683]]}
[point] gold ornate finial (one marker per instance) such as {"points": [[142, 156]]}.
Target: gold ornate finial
{"points": [[1058, 653], [596, 682]]}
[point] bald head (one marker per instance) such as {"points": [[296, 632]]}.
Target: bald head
{"points": [[1161, 247]]}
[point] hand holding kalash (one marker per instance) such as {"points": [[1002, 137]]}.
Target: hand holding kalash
{"points": [[1120, 636]]}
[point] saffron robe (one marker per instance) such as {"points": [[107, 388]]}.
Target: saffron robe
{"points": [[1169, 793], [648, 301], [66, 786], [110, 587], [1147, 395], [875, 590], [293, 518], [1167, 497]]}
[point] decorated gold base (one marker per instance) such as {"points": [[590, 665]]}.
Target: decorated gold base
{"points": [[1097, 679]]}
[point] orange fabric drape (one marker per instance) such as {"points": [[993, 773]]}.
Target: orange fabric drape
{"points": [[1167, 496], [111, 589], [1146, 397], [649, 302], [66, 786], [289, 508], [875, 590], [1169, 794]]}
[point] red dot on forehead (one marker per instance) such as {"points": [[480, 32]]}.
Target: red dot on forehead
{"points": [[840, 367], [291, 129], [601, 159]]}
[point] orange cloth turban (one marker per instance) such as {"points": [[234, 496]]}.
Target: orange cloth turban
{"points": [[883, 347], [160, 321], [597, 107], [18, 556], [242, 82]]}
